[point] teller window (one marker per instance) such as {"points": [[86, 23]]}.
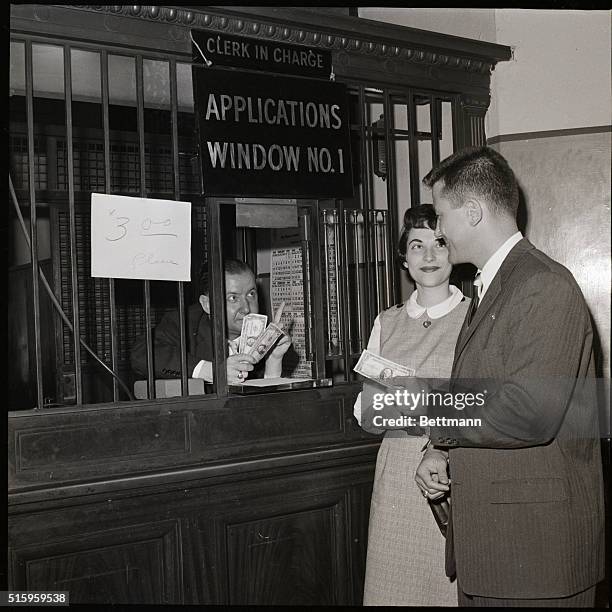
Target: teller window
{"points": [[265, 308]]}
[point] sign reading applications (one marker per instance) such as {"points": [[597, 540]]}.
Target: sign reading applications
{"points": [[271, 135]]}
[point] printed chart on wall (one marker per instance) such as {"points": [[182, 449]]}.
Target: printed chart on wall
{"points": [[286, 285]]}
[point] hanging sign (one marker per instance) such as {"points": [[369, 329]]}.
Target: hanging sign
{"points": [[272, 136], [212, 48]]}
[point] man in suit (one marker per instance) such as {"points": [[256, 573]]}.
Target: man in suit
{"points": [[240, 300], [527, 518]]}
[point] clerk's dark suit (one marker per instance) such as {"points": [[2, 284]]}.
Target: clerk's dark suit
{"points": [[166, 344], [527, 489]]}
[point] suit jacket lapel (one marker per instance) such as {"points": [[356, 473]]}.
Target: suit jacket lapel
{"points": [[492, 294], [486, 303]]}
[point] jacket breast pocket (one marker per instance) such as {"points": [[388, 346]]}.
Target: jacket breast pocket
{"points": [[528, 490]]}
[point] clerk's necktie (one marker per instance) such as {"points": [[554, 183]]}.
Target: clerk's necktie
{"points": [[476, 298]]}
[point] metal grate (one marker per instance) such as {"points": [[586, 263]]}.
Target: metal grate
{"points": [[348, 301], [94, 294], [88, 159], [88, 165], [18, 147]]}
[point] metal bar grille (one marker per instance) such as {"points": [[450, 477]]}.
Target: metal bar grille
{"points": [[413, 152], [78, 373], [304, 221], [143, 193], [352, 219], [331, 317], [33, 220], [435, 117], [343, 296], [107, 189], [177, 196], [390, 276], [366, 187], [376, 216], [217, 288], [387, 261]]}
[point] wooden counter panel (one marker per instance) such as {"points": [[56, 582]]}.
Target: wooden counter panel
{"points": [[292, 539], [267, 419], [119, 439], [135, 564], [58, 447], [304, 546]]}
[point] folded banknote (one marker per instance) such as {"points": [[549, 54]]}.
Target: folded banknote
{"points": [[379, 369], [253, 325], [264, 342]]}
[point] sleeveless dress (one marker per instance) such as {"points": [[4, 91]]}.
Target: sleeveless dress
{"points": [[405, 555]]}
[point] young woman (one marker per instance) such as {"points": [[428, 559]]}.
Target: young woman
{"points": [[405, 558]]}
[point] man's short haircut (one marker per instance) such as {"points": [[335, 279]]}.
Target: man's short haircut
{"points": [[418, 217], [232, 267], [480, 172]]}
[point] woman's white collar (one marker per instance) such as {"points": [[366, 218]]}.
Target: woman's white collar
{"points": [[437, 311]]}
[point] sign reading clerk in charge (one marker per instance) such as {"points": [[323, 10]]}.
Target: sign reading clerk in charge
{"points": [[257, 54], [272, 136]]}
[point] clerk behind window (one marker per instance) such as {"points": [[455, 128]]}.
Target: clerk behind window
{"points": [[240, 300]]}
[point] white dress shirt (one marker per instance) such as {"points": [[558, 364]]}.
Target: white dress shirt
{"points": [[204, 369], [490, 269]]}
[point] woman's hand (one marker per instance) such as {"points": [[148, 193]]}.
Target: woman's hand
{"points": [[432, 474]]}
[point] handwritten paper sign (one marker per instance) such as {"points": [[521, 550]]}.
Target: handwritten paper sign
{"points": [[140, 238]]}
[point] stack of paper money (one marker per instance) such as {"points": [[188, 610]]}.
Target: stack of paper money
{"points": [[379, 369], [264, 342], [253, 325], [256, 338]]}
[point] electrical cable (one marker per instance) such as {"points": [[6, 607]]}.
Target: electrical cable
{"points": [[57, 305]]}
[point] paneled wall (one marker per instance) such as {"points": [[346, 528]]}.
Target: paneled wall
{"points": [[565, 181]]}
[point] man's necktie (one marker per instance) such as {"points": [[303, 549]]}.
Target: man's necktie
{"points": [[476, 298]]}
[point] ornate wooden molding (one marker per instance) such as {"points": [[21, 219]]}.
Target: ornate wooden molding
{"points": [[476, 104], [216, 19]]}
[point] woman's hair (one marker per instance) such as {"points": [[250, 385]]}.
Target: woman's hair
{"points": [[418, 217]]}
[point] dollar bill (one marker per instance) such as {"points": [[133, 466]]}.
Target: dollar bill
{"points": [[379, 369], [253, 325], [264, 342]]}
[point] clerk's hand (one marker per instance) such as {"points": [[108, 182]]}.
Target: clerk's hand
{"points": [[274, 361], [432, 475], [281, 347], [238, 368]]}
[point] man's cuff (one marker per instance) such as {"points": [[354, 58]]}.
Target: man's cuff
{"points": [[203, 370], [273, 369]]}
